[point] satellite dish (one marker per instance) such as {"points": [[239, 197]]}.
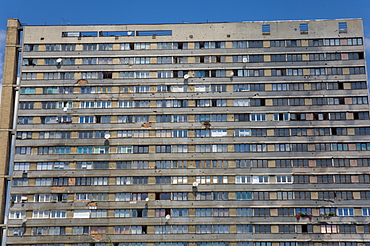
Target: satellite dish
{"points": [[59, 60], [147, 199], [107, 136], [129, 33], [168, 217], [24, 220], [195, 184], [245, 59], [186, 76], [65, 109], [231, 73]]}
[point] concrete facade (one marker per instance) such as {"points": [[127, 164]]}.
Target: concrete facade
{"points": [[217, 134]]}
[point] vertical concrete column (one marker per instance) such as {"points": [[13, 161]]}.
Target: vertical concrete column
{"points": [[7, 105]]}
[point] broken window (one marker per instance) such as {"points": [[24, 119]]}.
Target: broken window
{"points": [[29, 62]]}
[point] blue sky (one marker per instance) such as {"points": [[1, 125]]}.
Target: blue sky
{"points": [[52, 12]]}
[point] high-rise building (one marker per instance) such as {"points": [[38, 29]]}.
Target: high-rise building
{"points": [[209, 134]]}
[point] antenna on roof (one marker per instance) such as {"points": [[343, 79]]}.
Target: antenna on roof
{"points": [[63, 20]]}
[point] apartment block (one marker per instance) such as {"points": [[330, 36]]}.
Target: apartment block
{"points": [[208, 134]]}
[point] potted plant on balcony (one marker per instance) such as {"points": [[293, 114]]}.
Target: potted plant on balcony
{"points": [[303, 215]]}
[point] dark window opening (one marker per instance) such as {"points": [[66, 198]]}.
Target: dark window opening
{"points": [[304, 229], [139, 213], [297, 116], [107, 75], [340, 86]]}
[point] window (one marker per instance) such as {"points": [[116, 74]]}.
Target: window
{"points": [[258, 117], [239, 44], [286, 229], [296, 72], [294, 57], [285, 195], [17, 214], [250, 147], [164, 74], [204, 196], [354, 41], [164, 59], [23, 150], [98, 213], [163, 148], [303, 28], [262, 228], [241, 102], [41, 198], [179, 196], [265, 29], [31, 47], [277, 43], [28, 76], [53, 47], [180, 133], [283, 179], [163, 180], [80, 230], [27, 90], [60, 181], [293, 43], [200, 229], [141, 149], [365, 211], [164, 46], [21, 166], [243, 195], [329, 229], [40, 214], [58, 214], [286, 212], [203, 212], [345, 212], [16, 231], [39, 230], [179, 212], [342, 26]]}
